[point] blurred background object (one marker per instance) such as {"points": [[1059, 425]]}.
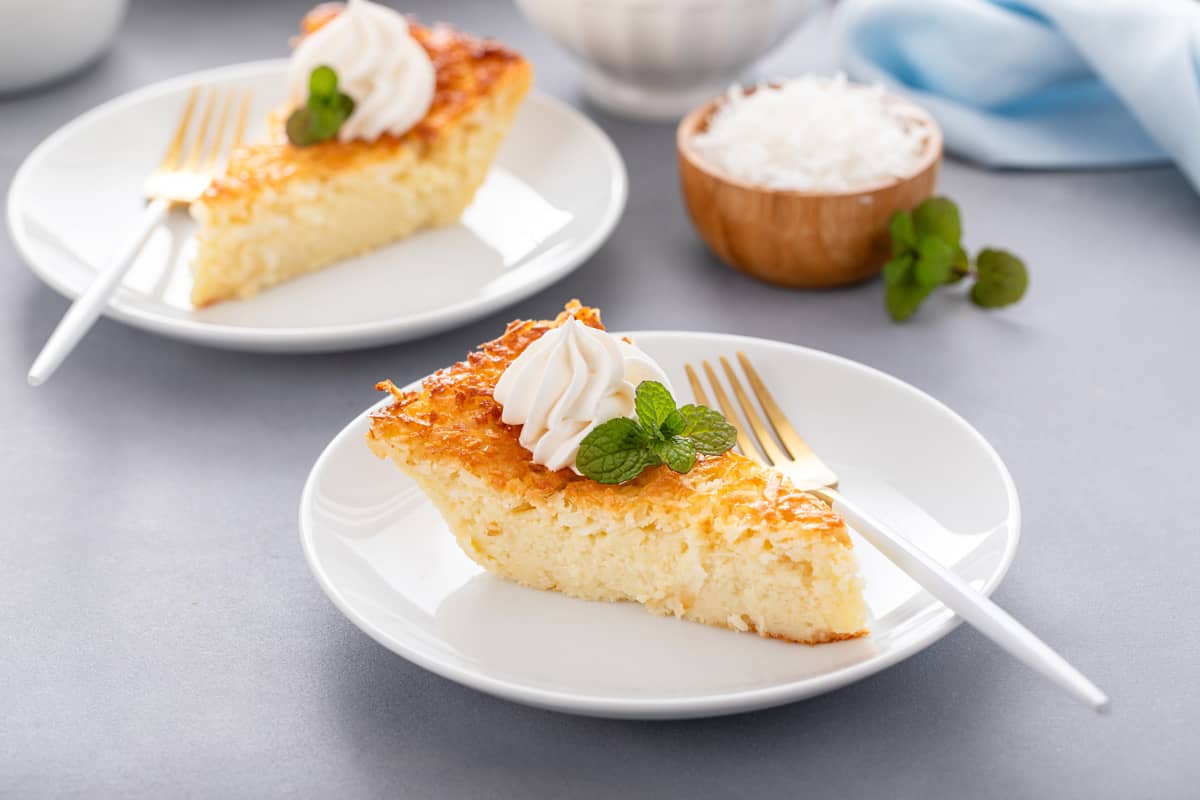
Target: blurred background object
{"points": [[1044, 84], [41, 40], [654, 60]]}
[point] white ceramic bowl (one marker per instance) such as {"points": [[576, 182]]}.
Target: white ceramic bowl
{"points": [[656, 59], [41, 40]]}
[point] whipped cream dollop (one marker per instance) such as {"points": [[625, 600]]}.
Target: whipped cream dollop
{"points": [[563, 385], [379, 65]]}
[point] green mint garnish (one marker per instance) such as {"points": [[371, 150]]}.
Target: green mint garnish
{"points": [[619, 449], [707, 429], [927, 253], [615, 451], [677, 453], [653, 404], [903, 231], [935, 261], [938, 216], [903, 299], [673, 425], [1001, 279], [323, 84], [322, 116]]}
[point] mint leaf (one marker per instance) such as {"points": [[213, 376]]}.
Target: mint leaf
{"points": [[673, 425], [327, 121], [931, 255], [619, 449], [898, 269], [709, 431], [677, 453], [323, 114], [935, 262], [654, 404], [322, 84], [903, 232], [301, 128], [615, 451], [938, 217], [1002, 279], [903, 299]]}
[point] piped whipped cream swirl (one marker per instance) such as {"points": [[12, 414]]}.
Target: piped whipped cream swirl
{"points": [[563, 385], [379, 64]]}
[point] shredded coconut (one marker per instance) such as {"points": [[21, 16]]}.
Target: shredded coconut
{"points": [[771, 490], [812, 132]]}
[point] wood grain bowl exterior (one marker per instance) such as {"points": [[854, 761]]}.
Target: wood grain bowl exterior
{"points": [[805, 239]]}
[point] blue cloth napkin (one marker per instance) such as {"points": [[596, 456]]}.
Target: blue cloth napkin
{"points": [[1040, 83]]}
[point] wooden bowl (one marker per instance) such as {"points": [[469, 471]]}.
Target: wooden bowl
{"points": [[808, 239]]}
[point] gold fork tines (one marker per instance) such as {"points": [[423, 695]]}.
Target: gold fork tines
{"points": [[239, 130], [193, 159], [197, 148], [766, 443], [744, 444], [775, 444], [214, 152], [792, 441], [170, 159]]}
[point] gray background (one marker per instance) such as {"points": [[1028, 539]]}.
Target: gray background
{"points": [[163, 637]]}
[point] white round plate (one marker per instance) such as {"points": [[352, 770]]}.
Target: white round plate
{"points": [[555, 192], [383, 555]]}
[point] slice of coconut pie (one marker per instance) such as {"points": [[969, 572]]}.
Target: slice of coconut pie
{"points": [[417, 146], [728, 543]]}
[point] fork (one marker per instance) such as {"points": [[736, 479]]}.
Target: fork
{"points": [[787, 451], [187, 167]]}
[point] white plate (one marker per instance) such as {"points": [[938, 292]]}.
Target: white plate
{"points": [[555, 192], [382, 553]]}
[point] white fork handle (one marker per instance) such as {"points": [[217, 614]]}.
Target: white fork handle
{"points": [[991, 620], [87, 308]]}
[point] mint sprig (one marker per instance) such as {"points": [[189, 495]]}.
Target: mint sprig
{"points": [[927, 253], [1000, 279], [323, 114], [619, 449]]}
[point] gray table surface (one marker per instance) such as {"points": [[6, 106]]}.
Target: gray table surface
{"points": [[163, 636]]}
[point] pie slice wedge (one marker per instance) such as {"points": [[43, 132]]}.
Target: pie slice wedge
{"points": [[282, 211], [730, 543]]}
